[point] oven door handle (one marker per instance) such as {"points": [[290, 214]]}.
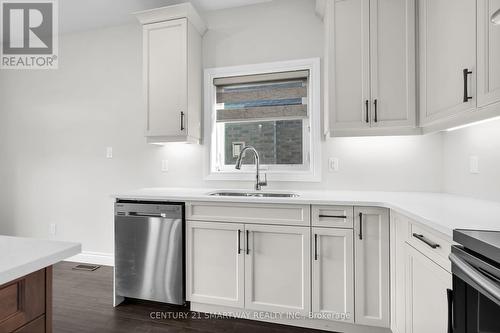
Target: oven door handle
{"points": [[490, 287]]}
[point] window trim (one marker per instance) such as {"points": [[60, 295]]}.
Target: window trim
{"points": [[313, 173]]}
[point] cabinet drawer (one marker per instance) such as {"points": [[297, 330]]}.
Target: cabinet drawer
{"points": [[248, 213], [332, 216], [36, 326], [430, 243]]}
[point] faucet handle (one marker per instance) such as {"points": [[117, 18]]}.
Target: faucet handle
{"points": [[264, 183]]}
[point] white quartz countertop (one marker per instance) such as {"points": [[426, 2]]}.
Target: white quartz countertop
{"points": [[21, 256], [442, 212]]}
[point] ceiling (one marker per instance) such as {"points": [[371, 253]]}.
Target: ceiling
{"points": [[78, 15]]}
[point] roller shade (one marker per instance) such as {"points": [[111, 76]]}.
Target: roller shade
{"points": [[262, 97]]}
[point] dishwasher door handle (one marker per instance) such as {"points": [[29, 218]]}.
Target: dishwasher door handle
{"points": [[147, 215]]}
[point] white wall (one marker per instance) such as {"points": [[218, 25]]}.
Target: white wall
{"points": [[483, 141], [56, 125]]}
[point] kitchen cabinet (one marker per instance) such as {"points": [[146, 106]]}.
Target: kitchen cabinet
{"points": [[256, 267], [215, 263], [277, 268], [447, 59], [371, 67], [26, 303], [426, 294], [398, 235], [488, 53], [333, 273], [172, 73], [371, 266], [332, 216]]}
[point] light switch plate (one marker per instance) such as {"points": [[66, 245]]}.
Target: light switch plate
{"points": [[53, 229], [164, 166], [109, 152], [333, 164], [474, 164]]}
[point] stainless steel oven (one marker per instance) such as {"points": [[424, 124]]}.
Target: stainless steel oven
{"points": [[474, 303]]}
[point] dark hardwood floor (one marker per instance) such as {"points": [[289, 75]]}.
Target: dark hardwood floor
{"points": [[83, 303]]}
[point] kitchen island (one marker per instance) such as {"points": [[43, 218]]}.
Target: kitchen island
{"points": [[26, 282]]}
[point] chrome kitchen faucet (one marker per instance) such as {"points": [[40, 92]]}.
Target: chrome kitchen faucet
{"points": [[239, 161]]}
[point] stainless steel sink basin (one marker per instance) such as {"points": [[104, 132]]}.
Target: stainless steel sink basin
{"points": [[253, 194]]}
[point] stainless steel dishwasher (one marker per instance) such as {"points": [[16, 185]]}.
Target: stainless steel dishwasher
{"points": [[149, 251]]}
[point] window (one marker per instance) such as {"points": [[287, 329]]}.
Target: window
{"points": [[275, 110]]}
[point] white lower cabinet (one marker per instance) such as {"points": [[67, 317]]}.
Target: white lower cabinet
{"points": [[343, 275], [215, 263], [256, 267], [333, 273], [371, 264], [277, 268], [399, 234], [426, 294]]}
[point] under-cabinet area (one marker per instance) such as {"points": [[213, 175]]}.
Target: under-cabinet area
{"points": [[351, 268]]}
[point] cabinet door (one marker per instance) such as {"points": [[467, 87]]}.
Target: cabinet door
{"points": [[350, 61], [277, 268], [426, 296], [488, 53], [165, 77], [398, 233], [215, 263], [447, 47], [371, 251], [333, 273], [392, 61]]}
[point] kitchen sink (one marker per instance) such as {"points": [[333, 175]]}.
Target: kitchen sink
{"points": [[253, 194]]}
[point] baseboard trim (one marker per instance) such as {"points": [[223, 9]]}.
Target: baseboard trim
{"points": [[97, 258]]}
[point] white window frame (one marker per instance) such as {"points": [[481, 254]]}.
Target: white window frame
{"points": [[311, 141]]}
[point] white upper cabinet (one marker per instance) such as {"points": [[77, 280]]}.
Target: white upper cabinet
{"points": [[371, 266], [349, 64], [447, 59], [371, 67], [172, 73], [488, 54], [392, 61]]}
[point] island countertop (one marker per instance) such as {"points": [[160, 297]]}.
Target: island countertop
{"points": [[440, 211], [21, 256]]}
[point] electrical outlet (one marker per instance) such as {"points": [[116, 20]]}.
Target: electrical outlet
{"points": [[474, 164], [164, 166], [333, 164], [53, 229], [109, 152]]}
